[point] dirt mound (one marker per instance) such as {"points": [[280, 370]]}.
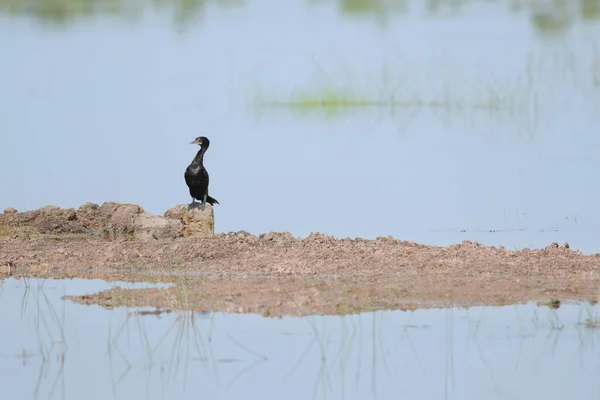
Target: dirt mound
{"points": [[275, 273], [111, 220]]}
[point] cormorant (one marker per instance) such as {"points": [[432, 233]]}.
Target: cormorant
{"points": [[196, 176]]}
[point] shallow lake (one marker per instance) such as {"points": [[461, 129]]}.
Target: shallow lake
{"points": [[55, 349]]}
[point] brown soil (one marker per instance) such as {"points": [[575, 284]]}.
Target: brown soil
{"points": [[111, 220], [276, 274]]}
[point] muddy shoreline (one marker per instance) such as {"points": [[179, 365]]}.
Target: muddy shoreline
{"points": [[276, 274]]}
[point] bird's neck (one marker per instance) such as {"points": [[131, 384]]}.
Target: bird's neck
{"points": [[199, 157]]}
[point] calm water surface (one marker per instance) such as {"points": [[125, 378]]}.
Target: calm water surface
{"points": [[475, 121], [55, 349], [432, 121]]}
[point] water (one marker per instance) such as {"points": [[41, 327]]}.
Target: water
{"points": [[492, 134], [58, 349]]}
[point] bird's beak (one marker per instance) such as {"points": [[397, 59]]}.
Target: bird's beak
{"points": [[194, 142]]}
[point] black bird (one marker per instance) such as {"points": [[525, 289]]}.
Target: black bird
{"points": [[196, 176]]}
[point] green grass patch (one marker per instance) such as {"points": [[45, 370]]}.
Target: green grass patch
{"points": [[337, 100], [329, 98]]}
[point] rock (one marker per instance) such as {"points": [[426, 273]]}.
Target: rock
{"points": [[176, 212], [148, 226], [10, 210], [195, 221], [121, 219], [50, 220], [51, 210], [240, 234], [282, 236], [88, 216], [86, 207], [112, 220], [266, 237]]}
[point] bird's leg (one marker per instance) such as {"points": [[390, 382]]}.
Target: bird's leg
{"points": [[193, 204], [201, 206]]}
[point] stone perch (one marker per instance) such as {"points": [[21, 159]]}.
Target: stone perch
{"points": [[111, 220], [195, 221]]}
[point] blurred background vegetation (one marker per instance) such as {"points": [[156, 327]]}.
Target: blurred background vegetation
{"points": [[547, 16]]}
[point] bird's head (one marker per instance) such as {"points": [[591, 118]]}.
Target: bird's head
{"points": [[201, 141]]}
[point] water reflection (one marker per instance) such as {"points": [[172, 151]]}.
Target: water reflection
{"points": [[57, 349], [545, 16], [183, 12]]}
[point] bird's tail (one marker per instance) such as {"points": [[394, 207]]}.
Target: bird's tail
{"points": [[211, 200]]}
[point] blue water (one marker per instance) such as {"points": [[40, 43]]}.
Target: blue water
{"points": [[55, 349], [493, 135]]}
